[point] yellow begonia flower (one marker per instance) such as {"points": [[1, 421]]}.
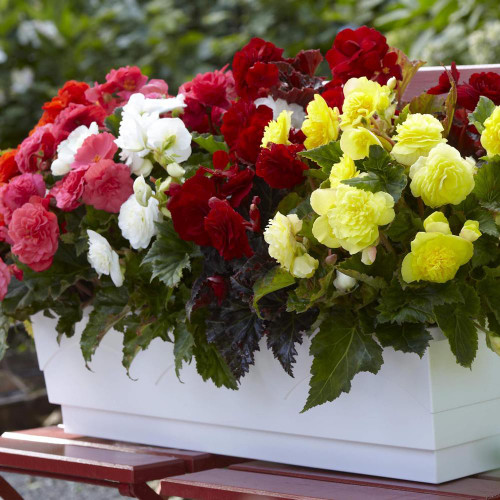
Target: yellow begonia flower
{"points": [[356, 142], [277, 131], [344, 169], [470, 231], [321, 125], [415, 137], [350, 217], [442, 177], [437, 223], [363, 98], [280, 235], [435, 257], [490, 137]]}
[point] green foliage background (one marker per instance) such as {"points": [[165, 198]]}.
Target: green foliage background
{"points": [[46, 42]]}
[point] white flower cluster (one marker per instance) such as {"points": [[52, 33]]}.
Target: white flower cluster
{"points": [[103, 258], [143, 133]]}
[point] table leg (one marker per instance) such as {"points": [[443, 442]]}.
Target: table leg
{"points": [[7, 492], [141, 491]]}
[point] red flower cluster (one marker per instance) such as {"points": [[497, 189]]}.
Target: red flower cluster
{"points": [[207, 97], [8, 165], [254, 69], [468, 94], [208, 203], [279, 166], [243, 127], [362, 52]]}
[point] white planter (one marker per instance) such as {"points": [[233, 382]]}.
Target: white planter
{"points": [[418, 419]]}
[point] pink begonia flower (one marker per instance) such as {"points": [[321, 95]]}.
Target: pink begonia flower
{"points": [[94, 149], [129, 80], [18, 192], [155, 89], [69, 190], [4, 279], [107, 185], [36, 151], [34, 232], [75, 115]]}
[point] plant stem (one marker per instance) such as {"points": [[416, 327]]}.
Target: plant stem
{"points": [[386, 243]]}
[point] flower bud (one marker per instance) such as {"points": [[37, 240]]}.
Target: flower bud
{"points": [[470, 231], [142, 191], [331, 259], [175, 170], [391, 83], [369, 255], [343, 282], [437, 223]]}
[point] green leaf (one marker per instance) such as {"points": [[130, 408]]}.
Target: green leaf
{"points": [[4, 332], [384, 174], [325, 156], [409, 69], [487, 185], [415, 304], [486, 221], [408, 337], [489, 290], [340, 350], [455, 321], [485, 250], [427, 104], [183, 344], [482, 112], [276, 279], [69, 310], [405, 226], [316, 173], [378, 275], [169, 255], [449, 105], [109, 307], [113, 121], [209, 362], [312, 291], [403, 115], [209, 142], [288, 203]]}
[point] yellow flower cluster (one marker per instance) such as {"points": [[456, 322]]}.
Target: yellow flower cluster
{"points": [[277, 131], [490, 138], [321, 125], [415, 137], [442, 177], [350, 217], [436, 255], [344, 169], [281, 236], [363, 99]]}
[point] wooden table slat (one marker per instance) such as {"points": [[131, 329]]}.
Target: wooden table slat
{"points": [[80, 461], [230, 484], [469, 487], [194, 460]]}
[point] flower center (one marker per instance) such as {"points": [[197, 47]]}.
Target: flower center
{"points": [[437, 264]]}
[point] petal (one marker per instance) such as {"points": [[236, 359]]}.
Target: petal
{"points": [[407, 269], [322, 200], [322, 231]]}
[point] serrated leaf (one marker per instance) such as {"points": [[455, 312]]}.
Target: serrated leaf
{"points": [[403, 115], [384, 174], [284, 332], [312, 291], [487, 185], [483, 110], [109, 307], [486, 221], [427, 104], [209, 142], [69, 310], [113, 121], [316, 173], [415, 304], [340, 350], [405, 226], [325, 156], [275, 279], [288, 203], [408, 337], [183, 345], [485, 250], [489, 291], [378, 275], [169, 256]]}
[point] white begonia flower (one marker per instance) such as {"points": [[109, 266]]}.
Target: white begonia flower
{"points": [[279, 105], [342, 282], [369, 255], [140, 115], [170, 141], [68, 148], [137, 223], [103, 258], [142, 191]]}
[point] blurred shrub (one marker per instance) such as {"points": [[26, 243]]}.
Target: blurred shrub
{"points": [[46, 42]]}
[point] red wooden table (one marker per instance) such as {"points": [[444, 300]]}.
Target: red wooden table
{"points": [[203, 476]]}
